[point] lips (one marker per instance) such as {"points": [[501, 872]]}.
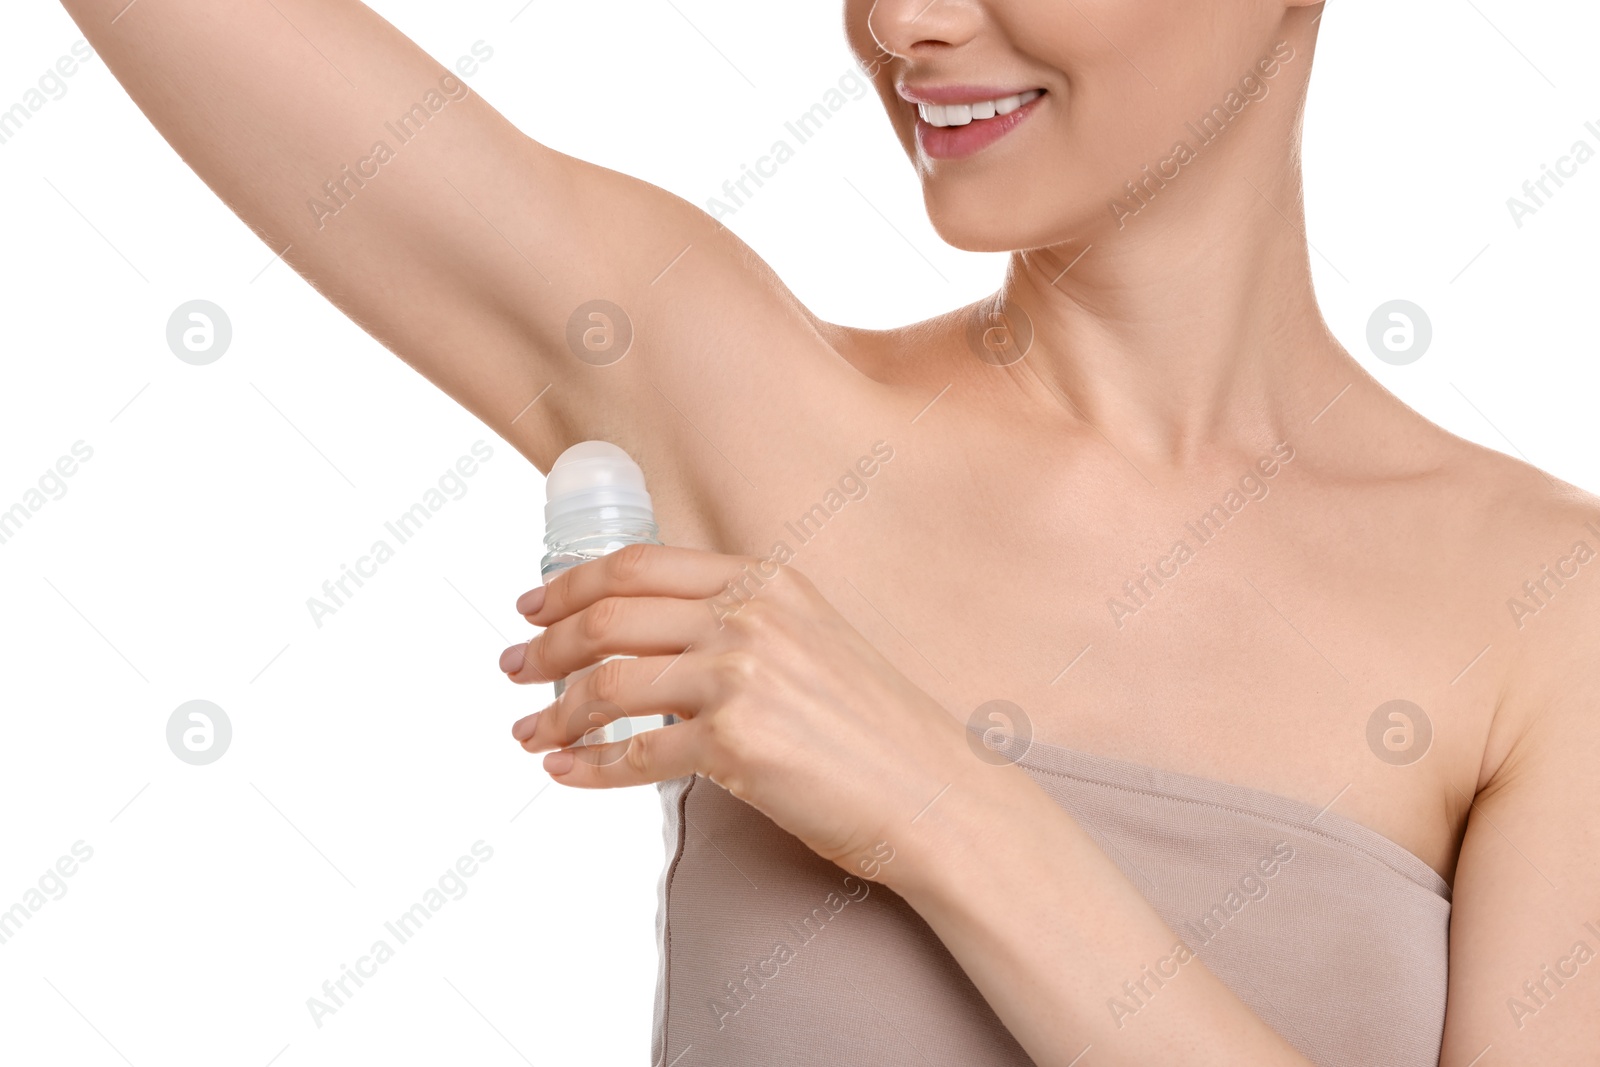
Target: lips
{"points": [[956, 122]]}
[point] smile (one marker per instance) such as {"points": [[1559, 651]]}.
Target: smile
{"points": [[942, 115], [955, 122]]}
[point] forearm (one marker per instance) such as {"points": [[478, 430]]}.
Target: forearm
{"points": [[1049, 930]]}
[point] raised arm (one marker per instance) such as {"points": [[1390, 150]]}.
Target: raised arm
{"points": [[461, 244]]}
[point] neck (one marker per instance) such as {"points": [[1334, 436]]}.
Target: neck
{"points": [[1193, 328]]}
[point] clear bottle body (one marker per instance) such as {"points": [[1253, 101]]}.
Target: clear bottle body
{"points": [[587, 535]]}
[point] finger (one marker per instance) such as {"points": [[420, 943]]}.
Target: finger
{"points": [[626, 626], [641, 570], [653, 756], [618, 688]]}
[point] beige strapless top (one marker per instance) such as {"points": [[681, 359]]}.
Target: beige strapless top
{"points": [[770, 956]]}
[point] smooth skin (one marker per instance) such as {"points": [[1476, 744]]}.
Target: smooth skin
{"points": [[1170, 355]]}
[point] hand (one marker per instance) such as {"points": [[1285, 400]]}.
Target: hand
{"points": [[783, 703]]}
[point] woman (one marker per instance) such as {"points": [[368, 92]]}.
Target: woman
{"points": [[1110, 672]]}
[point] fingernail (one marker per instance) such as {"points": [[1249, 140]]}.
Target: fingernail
{"points": [[530, 602], [523, 729], [559, 762], [512, 659]]}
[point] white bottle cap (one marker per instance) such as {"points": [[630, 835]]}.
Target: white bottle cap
{"points": [[593, 474]]}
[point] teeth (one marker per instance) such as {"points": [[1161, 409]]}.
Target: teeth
{"points": [[963, 114]]}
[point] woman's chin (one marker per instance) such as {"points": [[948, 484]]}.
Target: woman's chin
{"points": [[978, 231], [1000, 230]]}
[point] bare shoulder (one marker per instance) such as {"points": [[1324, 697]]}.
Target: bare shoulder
{"points": [[1537, 540], [1538, 530], [1490, 565], [1528, 881]]}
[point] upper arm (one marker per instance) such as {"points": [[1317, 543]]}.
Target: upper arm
{"points": [[458, 242], [1525, 926]]}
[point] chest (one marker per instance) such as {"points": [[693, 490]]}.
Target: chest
{"points": [[1245, 625]]}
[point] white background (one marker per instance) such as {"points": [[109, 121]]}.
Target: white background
{"points": [[369, 754]]}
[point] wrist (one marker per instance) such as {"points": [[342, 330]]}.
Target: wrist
{"points": [[959, 839]]}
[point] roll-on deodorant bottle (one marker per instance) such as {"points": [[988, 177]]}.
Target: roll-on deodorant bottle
{"points": [[596, 503]]}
